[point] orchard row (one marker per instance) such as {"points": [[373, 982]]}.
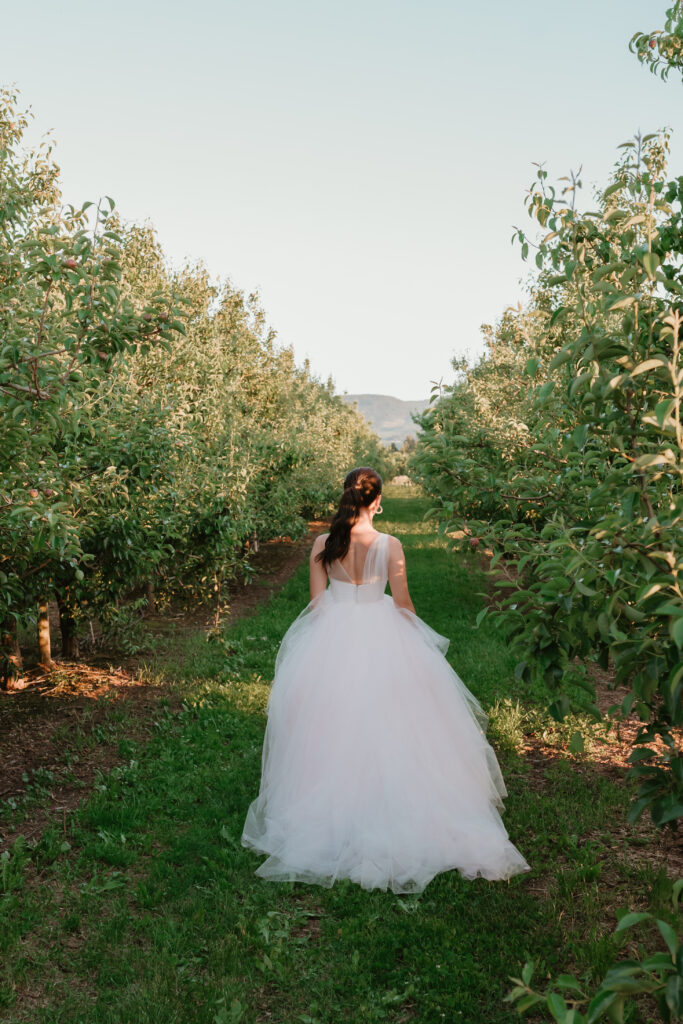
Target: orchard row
{"points": [[563, 450], [152, 430]]}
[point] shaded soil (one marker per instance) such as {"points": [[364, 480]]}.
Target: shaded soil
{"points": [[59, 728]]}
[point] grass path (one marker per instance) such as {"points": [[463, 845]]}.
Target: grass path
{"points": [[144, 907]]}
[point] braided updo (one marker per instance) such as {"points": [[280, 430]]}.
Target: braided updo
{"points": [[361, 487]]}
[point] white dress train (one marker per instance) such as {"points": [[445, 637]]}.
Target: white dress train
{"points": [[375, 762]]}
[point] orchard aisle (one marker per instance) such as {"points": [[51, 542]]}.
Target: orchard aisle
{"points": [[144, 907]]}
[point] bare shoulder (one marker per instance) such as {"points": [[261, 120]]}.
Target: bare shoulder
{"points": [[395, 548], [319, 543]]}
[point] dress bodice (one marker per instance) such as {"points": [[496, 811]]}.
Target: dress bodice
{"points": [[362, 593], [374, 577]]}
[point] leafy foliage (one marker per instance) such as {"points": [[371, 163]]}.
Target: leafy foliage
{"points": [[662, 50], [152, 430], [657, 975], [562, 449]]}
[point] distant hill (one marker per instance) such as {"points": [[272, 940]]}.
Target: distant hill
{"points": [[389, 417]]}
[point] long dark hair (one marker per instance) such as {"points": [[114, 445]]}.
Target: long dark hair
{"points": [[361, 487]]}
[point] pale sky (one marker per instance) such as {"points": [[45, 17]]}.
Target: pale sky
{"points": [[361, 164]]}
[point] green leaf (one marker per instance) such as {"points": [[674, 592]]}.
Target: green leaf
{"points": [[676, 630], [670, 810], [668, 608], [669, 936], [557, 1007], [615, 1010], [560, 358], [674, 996], [648, 590], [628, 920], [662, 410], [579, 382], [625, 984], [579, 435], [597, 1006], [645, 461], [637, 808], [656, 962], [641, 754], [528, 1001], [621, 304], [648, 364], [568, 981], [651, 262], [676, 892]]}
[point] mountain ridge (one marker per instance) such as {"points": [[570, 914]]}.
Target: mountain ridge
{"points": [[389, 417]]}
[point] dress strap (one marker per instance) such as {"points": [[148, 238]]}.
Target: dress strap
{"points": [[377, 560]]}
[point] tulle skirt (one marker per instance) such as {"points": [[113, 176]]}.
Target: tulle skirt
{"points": [[375, 763]]}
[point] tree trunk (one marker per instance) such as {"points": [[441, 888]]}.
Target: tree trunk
{"points": [[67, 627], [10, 653], [44, 650], [151, 601]]}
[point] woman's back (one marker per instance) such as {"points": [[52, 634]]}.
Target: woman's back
{"points": [[366, 561], [351, 568]]}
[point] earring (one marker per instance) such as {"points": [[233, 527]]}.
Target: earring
{"points": [[379, 509]]}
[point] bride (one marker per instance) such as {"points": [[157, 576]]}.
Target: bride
{"points": [[375, 763]]}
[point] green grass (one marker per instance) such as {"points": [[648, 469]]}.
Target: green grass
{"points": [[145, 908]]}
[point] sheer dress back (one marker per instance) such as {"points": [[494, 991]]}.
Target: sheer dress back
{"points": [[373, 578]]}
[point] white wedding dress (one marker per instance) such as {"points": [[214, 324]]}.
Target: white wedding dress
{"points": [[375, 763]]}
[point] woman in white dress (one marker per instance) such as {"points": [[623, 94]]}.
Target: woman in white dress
{"points": [[375, 764]]}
